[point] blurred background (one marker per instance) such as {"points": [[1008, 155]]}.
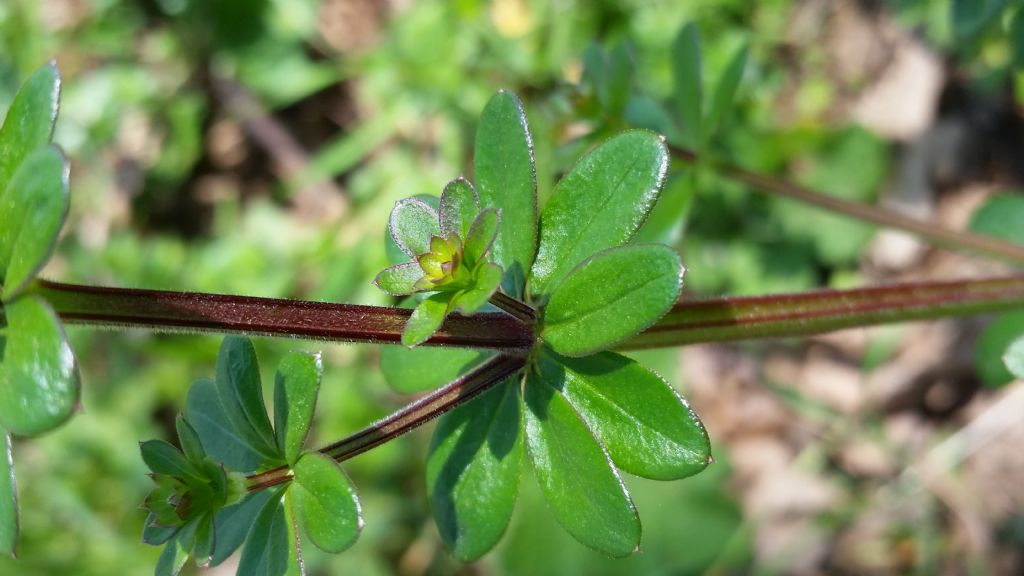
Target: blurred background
{"points": [[256, 147]]}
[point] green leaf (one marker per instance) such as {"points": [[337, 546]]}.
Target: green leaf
{"points": [[191, 445], [295, 392], [221, 440], [581, 487], [1001, 217], [481, 235], [30, 119], [163, 458], [969, 17], [725, 94], [618, 80], [992, 345], [400, 279], [176, 553], [412, 224], [241, 394], [647, 429], [487, 279], [667, 220], [9, 526], [266, 548], [39, 384], [458, 207], [599, 204], [687, 79], [410, 370], [426, 319], [233, 523], [326, 503], [204, 541], [32, 211], [154, 534], [473, 470], [1013, 358], [610, 297], [506, 179]]}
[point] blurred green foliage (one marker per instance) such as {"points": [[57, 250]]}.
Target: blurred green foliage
{"points": [[169, 190]]}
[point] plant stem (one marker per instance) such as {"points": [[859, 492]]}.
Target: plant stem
{"points": [[452, 395], [937, 234], [747, 318], [520, 310], [198, 312]]}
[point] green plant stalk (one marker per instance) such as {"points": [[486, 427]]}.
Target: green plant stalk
{"points": [[454, 394], [167, 311], [945, 237], [747, 318]]}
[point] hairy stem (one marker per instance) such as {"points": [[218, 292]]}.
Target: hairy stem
{"points": [[198, 312], [747, 318], [414, 415], [936, 234]]}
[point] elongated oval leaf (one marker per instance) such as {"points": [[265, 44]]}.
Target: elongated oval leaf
{"points": [[481, 235], [191, 445], [687, 79], [599, 204], [9, 526], [488, 276], [295, 392], [506, 179], [581, 487], [29, 121], [326, 503], [39, 383], [426, 318], [220, 439], [241, 394], [400, 279], [457, 208], [176, 552], [473, 470], [267, 546], [647, 429], [32, 211], [412, 224], [163, 458], [233, 523], [611, 297], [725, 93]]}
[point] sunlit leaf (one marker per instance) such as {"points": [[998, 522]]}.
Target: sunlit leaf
{"points": [[481, 235], [32, 210], [295, 392], [611, 297], [39, 383], [326, 503], [992, 345], [506, 179], [426, 318], [1014, 358], [599, 204], [409, 370], [400, 279], [29, 121], [457, 208], [725, 93], [412, 224], [487, 279], [473, 470], [581, 487], [644, 425]]}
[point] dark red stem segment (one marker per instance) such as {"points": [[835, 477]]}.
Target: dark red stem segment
{"points": [[954, 239], [453, 394], [746, 318], [199, 312]]}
